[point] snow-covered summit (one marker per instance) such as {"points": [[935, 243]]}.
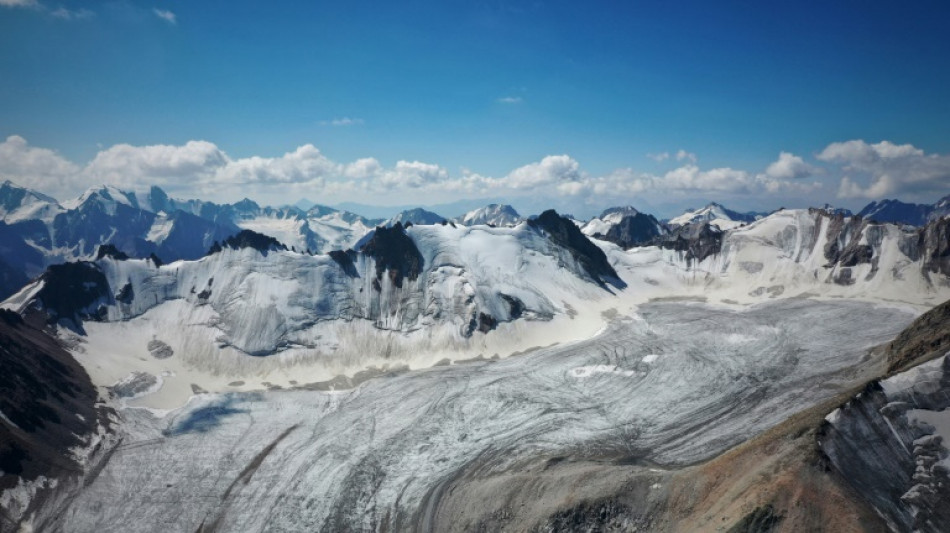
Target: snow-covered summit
{"points": [[491, 215], [611, 216], [415, 216], [20, 203], [624, 226], [715, 214]]}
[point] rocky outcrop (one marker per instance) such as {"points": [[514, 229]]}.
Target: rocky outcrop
{"points": [[565, 234], [934, 244], [249, 239], [883, 445], [925, 339], [73, 292], [48, 405], [394, 253], [698, 241], [109, 250], [633, 230]]}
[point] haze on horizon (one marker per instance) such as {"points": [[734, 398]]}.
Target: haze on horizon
{"points": [[535, 104]]}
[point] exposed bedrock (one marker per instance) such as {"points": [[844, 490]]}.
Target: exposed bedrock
{"points": [[889, 441], [48, 408], [566, 235], [698, 241]]}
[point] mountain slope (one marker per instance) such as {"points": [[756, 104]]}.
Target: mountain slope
{"points": [[897, 211], [624, 226]]}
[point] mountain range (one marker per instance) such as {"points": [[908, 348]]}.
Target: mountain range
{"points": [[168, 365]]}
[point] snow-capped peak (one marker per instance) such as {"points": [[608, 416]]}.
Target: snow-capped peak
{"points": [[715, 214], [491, 214], [107, 196], [20, 203], [416, 216]]}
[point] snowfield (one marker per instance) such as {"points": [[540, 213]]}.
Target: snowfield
{"points": [[371, 458]]}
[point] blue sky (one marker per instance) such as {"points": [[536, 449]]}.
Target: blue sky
{"points": [[466, 94]]}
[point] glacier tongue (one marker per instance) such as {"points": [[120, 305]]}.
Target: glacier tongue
{"points": [[368, 458]]}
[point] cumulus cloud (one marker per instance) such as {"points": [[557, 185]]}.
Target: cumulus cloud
{"points": [[660, 157], [788, 167], [165, 15], [510, 100], [125, 165], [884, 169], [413, 174], [37, 167], [200, 168], [364, 168], [551, 169]]}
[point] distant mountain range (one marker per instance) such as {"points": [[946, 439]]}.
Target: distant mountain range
{"points": [[36, 230], [905, 213]]}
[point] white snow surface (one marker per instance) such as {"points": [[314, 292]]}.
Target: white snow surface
{"points": [[366, 458]]}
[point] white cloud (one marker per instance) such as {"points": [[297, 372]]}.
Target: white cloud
{"points": [[510, 100], [660, 157], [683, 155], [789, 166], [39, 168], [165, 15], [364, 168], [66, 14], [343, 121], [304, 166], [886, 169], [412, 174], [128, 166], [19, 3], [551, 169]]}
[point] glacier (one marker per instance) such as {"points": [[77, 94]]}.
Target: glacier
{"points": [[372, 457]]}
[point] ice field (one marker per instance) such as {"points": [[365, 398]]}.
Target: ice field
{"points": [[673, 384]]}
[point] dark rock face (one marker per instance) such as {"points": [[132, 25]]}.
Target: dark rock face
{"points": [[345, 260], [892, 459], [73, 292], [394, 252], [249, 239], [633, 230], [18, 260], [762, 520], [109, 250], [516, 307], [699, 241], [608, 515], [48, 401], [844, 234], [564, 233], [934, 241], [930, 243]]}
